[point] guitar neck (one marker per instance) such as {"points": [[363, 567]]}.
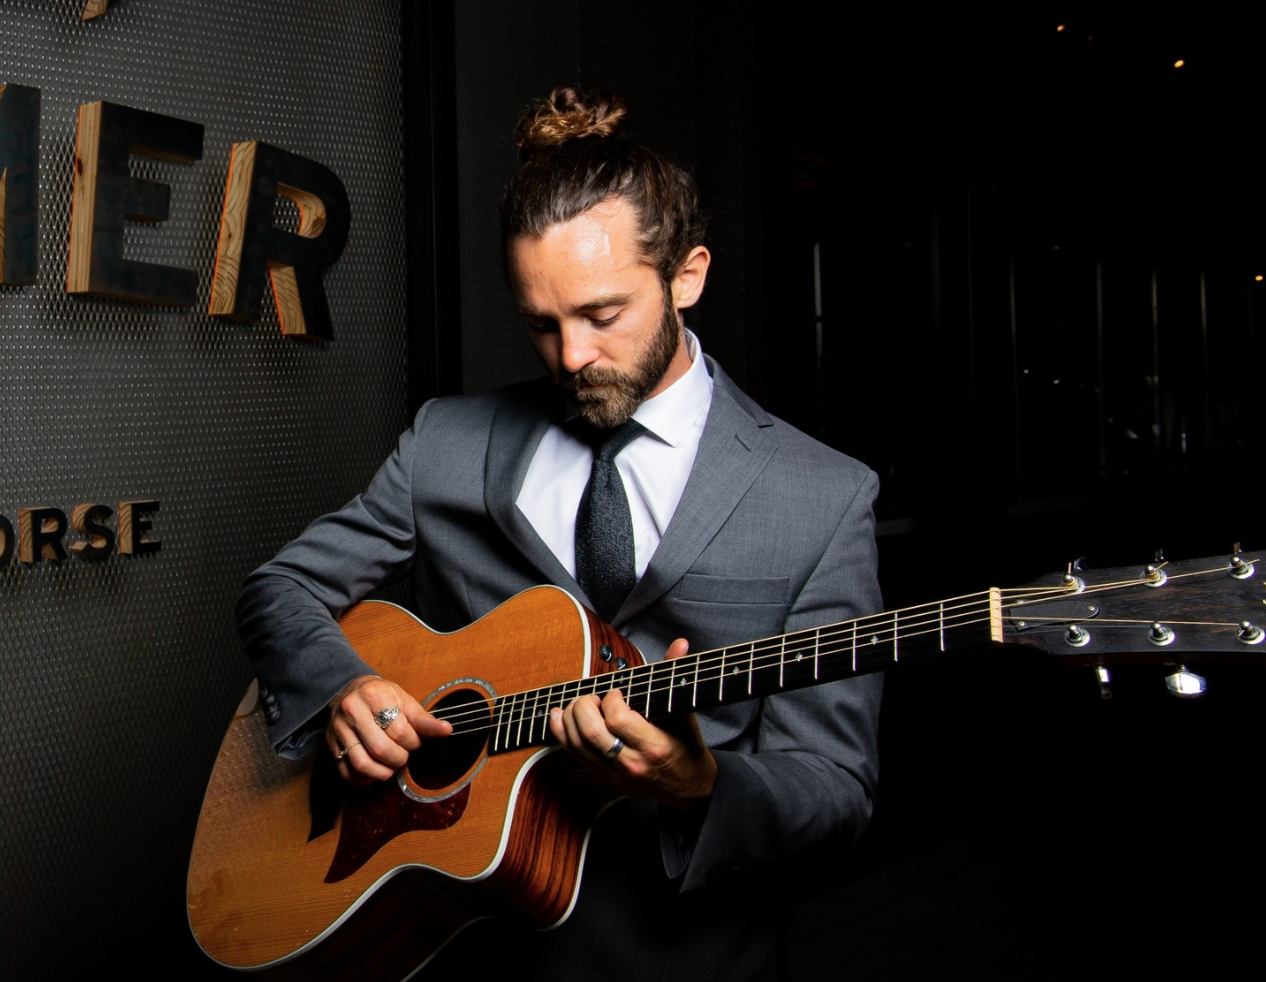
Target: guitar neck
{"points": [[766, 667]]}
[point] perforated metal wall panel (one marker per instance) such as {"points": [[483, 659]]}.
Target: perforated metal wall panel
{"points": [[118, 676]]}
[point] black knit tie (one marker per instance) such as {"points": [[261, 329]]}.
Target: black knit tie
{"points": [[605, 561]]}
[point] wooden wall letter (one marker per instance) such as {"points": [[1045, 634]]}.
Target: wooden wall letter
{"points": [[94, 8], [250, 244], [6, 540], [19, 176], [40, 532], [133, 525], [105, 195], [86, 519]]}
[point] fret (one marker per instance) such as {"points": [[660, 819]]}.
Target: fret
{"points": [[518, 729], [650, 687], [817, 641], [854, 646], [896, 655], [751, 666], [694, 687], [497, 729], [536, 712], [721, 678], [940, 620], [672, 682], [782, 663]]}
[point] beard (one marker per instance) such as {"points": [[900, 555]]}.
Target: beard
{"points": [[623, 392]]}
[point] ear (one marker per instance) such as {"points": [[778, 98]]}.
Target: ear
{"points": [[690, 278]]}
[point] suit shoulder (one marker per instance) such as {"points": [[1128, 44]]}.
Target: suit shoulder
{"points": [[470, 412], [797, 452]]}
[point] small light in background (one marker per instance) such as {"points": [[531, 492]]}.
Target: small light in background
{"points": [[1060, 27], [1179, 63], [1258, 277]]}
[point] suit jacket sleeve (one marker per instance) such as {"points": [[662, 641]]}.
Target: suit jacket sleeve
{"points": [[805, 779], [288, 608]]}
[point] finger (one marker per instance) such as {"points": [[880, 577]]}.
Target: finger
{"points": [[426, 726], [357, 719], [359, 767], [353, 759], [678, 648], [593, 731]]}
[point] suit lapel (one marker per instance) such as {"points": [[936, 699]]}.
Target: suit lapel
{"points": [[734, 449], [517, 429]]}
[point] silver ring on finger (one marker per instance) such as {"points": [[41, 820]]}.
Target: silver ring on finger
{"points": [[613, 751], [385, 717]]}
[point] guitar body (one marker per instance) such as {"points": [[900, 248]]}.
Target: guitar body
{"points": [[298, 873]]}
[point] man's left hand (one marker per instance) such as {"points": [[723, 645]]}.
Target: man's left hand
{"points": [[672, 766]]}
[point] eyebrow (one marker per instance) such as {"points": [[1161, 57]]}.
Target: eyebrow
{"points": [[614, 300]]}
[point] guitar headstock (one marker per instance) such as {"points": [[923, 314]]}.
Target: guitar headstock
{"points": [[1169, 612]]}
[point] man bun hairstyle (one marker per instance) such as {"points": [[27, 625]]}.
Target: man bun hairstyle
{"points": [[574, 154]]}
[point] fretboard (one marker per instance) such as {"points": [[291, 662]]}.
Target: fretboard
{"points": [[759, 668]]}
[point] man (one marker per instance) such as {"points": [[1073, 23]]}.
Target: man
{"points": [[742, 528]]}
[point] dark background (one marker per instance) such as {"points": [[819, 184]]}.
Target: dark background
{"points": [[1036, 253]]}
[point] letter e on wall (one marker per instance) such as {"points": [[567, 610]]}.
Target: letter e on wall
{"points": [[105, 195]]}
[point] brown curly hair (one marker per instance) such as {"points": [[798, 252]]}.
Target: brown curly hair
{"points": [[575, 155]]}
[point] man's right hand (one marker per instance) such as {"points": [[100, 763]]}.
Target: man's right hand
{"points": [[366, 751]]}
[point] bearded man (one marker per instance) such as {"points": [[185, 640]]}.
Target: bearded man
{"points": [[637, 477]]}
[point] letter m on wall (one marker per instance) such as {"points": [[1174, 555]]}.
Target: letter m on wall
{"points": [[251, 245], [19, 174]]}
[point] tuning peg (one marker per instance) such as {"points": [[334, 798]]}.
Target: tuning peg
{"points": [[1240, 568], [1185, 684], [1154, 574], [1104, 678], [1160, 635], [1076, 636], [1074, 584]]}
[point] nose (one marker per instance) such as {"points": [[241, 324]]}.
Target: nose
{"points": [[576, 348]]}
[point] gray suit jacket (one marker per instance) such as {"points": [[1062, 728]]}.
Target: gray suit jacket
{"points": [[774, 533]]}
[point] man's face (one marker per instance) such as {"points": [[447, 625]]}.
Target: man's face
{"points": [[598, 316]]}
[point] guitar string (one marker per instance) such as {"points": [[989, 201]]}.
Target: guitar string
{"points": [[823, 640], [759, 656]]}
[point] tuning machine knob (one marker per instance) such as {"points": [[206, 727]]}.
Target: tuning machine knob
{"points": [[1250, 633], [1160, 635], [1185, 684], [1104, 678], [1240, 568], [1076, 636]]}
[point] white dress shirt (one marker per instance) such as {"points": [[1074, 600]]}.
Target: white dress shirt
{"points": [[654, 467]]}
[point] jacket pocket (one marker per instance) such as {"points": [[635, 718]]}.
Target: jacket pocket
{"points": [[746, 590]]}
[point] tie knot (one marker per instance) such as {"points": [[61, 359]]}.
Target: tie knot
{"points": [[607, 443]]}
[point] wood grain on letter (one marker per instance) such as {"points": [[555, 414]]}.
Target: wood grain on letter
{"points": [[83, 198], [228, 255]]}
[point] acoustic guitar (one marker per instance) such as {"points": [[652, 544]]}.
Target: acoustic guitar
{"points": [[297, 874]]}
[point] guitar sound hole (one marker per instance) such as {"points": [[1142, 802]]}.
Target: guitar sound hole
{"points": [[440, 764]]}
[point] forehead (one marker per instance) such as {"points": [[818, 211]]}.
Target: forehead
{"points": [[596, 250]]}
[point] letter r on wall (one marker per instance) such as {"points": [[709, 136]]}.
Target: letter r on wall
{"points": [[251, 245]]}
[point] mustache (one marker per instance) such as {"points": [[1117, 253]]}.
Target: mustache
{"points": [[589, 375]]}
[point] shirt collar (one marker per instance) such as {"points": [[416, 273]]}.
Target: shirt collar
{"points": [[672, 414]]}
